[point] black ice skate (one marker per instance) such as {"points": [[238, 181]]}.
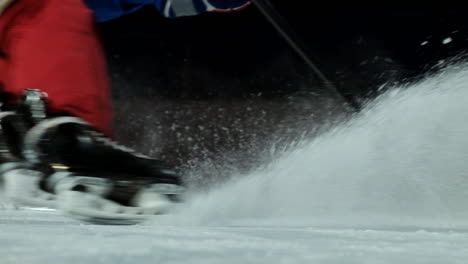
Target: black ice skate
{"points": [[94, 178], [22, 183]]}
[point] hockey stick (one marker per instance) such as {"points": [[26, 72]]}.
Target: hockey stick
{"points": [[270, 13]]}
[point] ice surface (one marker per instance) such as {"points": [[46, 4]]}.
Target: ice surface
{"points": [[48, 237], [388, 187]]}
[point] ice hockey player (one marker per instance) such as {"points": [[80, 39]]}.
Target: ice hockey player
{"points": [[56, 116]]}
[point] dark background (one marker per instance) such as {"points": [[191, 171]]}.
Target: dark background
{"points": [[353, 44], [224, 90]]}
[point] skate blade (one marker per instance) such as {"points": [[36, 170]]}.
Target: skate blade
{"points": [[21, 187], [94, 209]]}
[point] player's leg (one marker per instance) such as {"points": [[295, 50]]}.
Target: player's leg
{"points": [[63, 150], [52, 45]]}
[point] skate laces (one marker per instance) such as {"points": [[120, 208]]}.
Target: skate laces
{"points": [[35, 104]]}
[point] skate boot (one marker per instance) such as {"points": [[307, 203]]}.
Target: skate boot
{"points": [[22, 183], [92, 177]]}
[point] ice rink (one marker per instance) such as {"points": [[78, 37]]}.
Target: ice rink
{"points": [[388, 187], [48, 237]]}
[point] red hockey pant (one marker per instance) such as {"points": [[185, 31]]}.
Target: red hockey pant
{"points": [[52, 45]]}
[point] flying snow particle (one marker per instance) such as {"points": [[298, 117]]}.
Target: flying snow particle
{"points": [[424, 43], [447, 40]]}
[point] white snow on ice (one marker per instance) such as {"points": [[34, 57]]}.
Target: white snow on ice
{"points": [[388, 187], [46, 237], [401, 164]]}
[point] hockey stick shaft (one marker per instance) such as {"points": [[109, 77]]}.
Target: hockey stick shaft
{"points": [[270, 13]]}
